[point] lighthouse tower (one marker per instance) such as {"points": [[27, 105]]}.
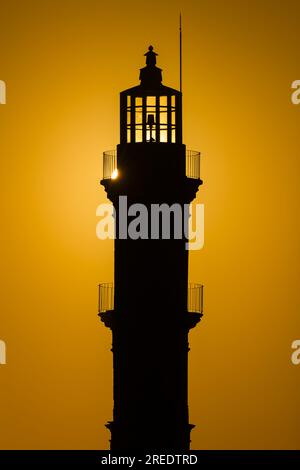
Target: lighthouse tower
{"points": [[150, 307]]}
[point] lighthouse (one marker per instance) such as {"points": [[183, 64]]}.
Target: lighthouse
{"points": [[150, 307]]}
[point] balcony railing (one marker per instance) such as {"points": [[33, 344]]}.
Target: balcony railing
{"points": [[192, 164], [195, 298], [109, 164], [106, 298]]}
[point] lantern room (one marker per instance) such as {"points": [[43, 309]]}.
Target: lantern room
{"points": [[150, 112]]}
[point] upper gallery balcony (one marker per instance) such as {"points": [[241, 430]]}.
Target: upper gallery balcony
{"points": [[192, 164]]}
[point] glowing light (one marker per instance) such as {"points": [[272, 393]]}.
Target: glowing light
{"points": [[163, 136], [114, 174]]}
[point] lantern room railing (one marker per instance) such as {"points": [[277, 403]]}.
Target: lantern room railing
{"points": [[109, 164], [106, 298], [192, 164]]}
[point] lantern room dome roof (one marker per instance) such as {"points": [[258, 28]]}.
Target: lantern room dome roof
{"points": [[151, 79]]}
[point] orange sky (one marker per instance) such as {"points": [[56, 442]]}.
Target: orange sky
{"points": [[64, 64]]}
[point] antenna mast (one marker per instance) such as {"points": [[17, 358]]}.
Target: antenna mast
{"points": [[180, 53]]}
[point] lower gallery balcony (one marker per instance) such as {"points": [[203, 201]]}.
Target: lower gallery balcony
{"points": [[106, 296]]}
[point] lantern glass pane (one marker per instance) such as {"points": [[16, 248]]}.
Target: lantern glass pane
{"points": [[138, 135], [151, 100], [163, 101]]}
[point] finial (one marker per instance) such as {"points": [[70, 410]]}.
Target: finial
{"points": [[150, 75], [150, 57]]}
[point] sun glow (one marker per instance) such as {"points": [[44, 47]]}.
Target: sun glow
{"points": [[114, 174]]}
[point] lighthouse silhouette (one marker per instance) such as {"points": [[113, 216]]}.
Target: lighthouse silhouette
{"points": [[150, 307]]}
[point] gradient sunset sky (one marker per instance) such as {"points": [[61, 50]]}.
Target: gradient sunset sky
{"points": [[64, 63]]}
